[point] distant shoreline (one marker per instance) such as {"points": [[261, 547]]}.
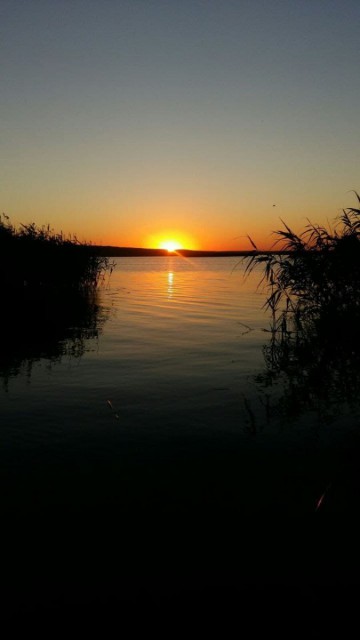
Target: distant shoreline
{"points": [[126, 252]]}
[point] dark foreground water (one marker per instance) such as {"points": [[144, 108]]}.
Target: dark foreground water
{"points": [[149, 468]]}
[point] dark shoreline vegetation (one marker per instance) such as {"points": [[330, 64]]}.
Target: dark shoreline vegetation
{"points": [[39, 260], [49, 287], [313, 294]]}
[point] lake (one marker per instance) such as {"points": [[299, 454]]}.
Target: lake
{"points": [[147, 454]]}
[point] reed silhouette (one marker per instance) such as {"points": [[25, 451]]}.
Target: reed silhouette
{"points": [[50, 306], [313, 293], [40, 261]]}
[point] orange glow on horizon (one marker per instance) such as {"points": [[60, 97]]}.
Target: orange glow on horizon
{"points": [[175, 241], [206, 239], [155, 222]]}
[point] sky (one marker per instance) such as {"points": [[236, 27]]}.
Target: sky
{"points": [[132, 122]]}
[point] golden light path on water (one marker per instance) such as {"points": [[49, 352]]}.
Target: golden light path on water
{"points": [[170, 289]]}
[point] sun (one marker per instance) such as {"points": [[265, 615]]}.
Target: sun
{"points": [[170, 245], [170, 240]]}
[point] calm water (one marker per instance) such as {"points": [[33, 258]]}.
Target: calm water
{"points": [[139, 445]]}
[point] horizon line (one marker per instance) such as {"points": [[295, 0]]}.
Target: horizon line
{"points": [[118, 251]]}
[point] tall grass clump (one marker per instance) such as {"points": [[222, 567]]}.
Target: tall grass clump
{"points": [[40, 260], [314, 273], [313, 294], [48, 287]]}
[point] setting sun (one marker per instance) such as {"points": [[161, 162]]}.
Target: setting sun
{"points": [[170, 245], [171, 240]]}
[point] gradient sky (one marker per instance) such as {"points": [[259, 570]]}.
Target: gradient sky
{"points": [[130, 121]]}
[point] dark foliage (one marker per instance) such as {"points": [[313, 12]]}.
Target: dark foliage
{"points": [[319, 273], [38, 259], [314, 299], [49, 296]]}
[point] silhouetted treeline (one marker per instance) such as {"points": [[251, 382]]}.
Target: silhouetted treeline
{"points": [[134, 252]]}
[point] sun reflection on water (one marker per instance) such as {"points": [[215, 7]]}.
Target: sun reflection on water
{"points": [[170, 284]]}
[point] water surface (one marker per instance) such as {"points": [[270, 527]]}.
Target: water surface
{"points": [[139, 445]]}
